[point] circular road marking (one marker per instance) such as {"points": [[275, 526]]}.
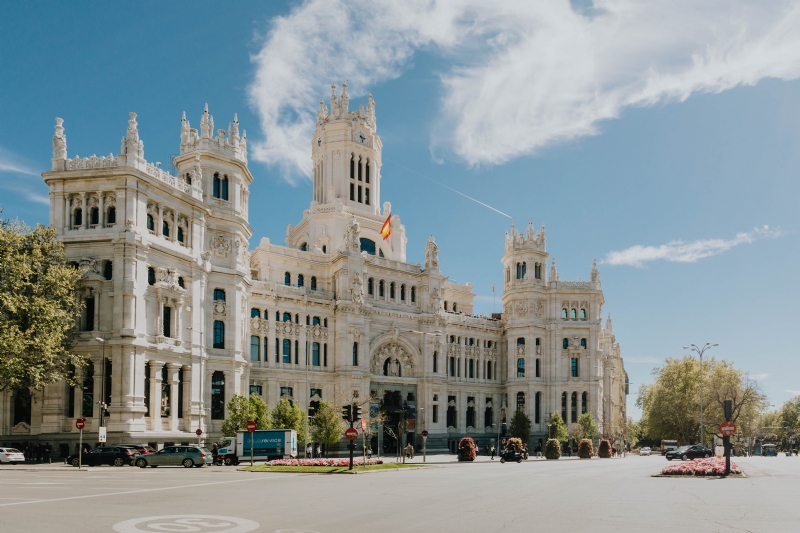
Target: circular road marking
{"points": [[186, 523]]}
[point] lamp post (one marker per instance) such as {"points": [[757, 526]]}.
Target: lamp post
{"points": [[700, 351], [102, 401], [201, 403]]}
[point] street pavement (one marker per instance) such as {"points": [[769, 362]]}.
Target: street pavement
{"points": [[571, 495]]}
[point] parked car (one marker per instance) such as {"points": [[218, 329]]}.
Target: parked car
{"points": [[645, 451], [105, 455], [689, 452], [141, 449], [187, 456], [11, 456]]}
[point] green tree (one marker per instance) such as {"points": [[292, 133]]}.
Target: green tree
{"points": [[634, 433], [288, 416], [588, 427], [242, 409], [38, 308], [327, 425], [520, 426], [558, 429]]}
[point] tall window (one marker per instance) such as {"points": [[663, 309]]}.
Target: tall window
{"points": [[451, 411], [77, 218], [574, 408], [315, 321], [355, 354], [471, 367], [315, 354], [151, 224], [521, 341], [111, 217], [325, 354], [564, 313], [564, 406], [367, 245], [584, 402], [564, 343], [313, 283], [255, 313], [219, 295], [487, 417], [402, 293], [218, 396], [287, 351], [255, 348], [583, 343], [452, 362], [573, 313], [413, 295], [435, 414], [391, 290], [520, 401], [489, 370], [538, 367], [370, 286], [94, 216], [380, 288], [219, 334], [287, 279], [296, 352], [573, 367], [435, 362], [165, 229], [537, 407], [287, 317], [300, 280], [521, 367], [88, 324], [166, 317], [146, 389], [583, 314], [217, 186], [180, 235], [266, 349]]}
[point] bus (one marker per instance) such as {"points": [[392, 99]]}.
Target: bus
{"points": [[667, 445]]}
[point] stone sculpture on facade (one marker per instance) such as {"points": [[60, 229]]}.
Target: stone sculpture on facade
{"points": [[357, 289], [59, 141], [431, 254]]}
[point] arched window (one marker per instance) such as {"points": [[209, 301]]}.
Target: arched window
{"points": [[521, 367], [521, 401], [166, 321], [573, 313], [471, 368], [455, 309], [313, 283], [538, 367], [524, 270], [188, 179], [370, 286], [366, 173], [304, 247], [218, 396], [537, 407], [573, 367], [355, 354], [519, 270], [287, 317], [181, 283], [413, 295], [380, 252], [391, 290], [583, 314], [489, 370], [352, 167], [225, 188], [219, 334], [445, 305], [300, 280], [217, 185], [88, 314], [564, 313], [314, 354], [380, 288], [315, 321], [151, 225], [111, 217], [521, 341], [180, 235], [255, 348], [165, 229], [296, 318], [402, 293], [564, 406], [219, 295], [435, 362], [94, 216], [151, 276], [584, 402], [583, 343], [564, 343], [574, 408], [255, 313], [287, 279], [287, 351], [108, 270], [367, 245], [77, 218]]}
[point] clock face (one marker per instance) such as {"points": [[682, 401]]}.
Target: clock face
{"points": [[361, 138], [319, 141]]}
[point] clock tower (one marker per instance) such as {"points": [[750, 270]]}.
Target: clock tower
{"points": [[346, 161]]}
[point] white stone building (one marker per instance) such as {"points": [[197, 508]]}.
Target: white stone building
{"points": [[192, 316]]}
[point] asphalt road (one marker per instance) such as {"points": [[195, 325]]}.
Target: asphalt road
{"points": [[559, 496]]}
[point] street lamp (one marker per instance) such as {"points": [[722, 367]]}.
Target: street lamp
{"points": [[700, 351], [102, 401], [435, 333]]}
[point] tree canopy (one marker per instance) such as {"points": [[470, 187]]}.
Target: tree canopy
{"points": [[288, 416], [588, 428], [558, 429], [520, 426], [38, 308], [242, 409], [327, 425]]}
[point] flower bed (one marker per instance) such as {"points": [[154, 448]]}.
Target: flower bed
{"points": [[324, 462], [700, 467]]}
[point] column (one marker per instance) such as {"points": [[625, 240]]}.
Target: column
{"points": [[84, 214], [160, 222], [230, 385], [97, 395], [188, 419], [67, 214], [155, 393], [174, 382], [178, 305], [101, 219], [304, 351], [270, 357]]}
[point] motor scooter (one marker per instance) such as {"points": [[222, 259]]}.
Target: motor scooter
{"points": [[510, 455]]}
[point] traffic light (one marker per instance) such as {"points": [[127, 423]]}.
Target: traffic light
{"points": [[356, 412], [347, 412]]}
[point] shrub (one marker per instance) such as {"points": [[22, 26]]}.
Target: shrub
{"points": [[604, 450], [466, 449], [552, 449], [585, 449], [516, 443], [701, 467]]}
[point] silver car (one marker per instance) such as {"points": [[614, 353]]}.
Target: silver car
{"points": [[186, 456]]}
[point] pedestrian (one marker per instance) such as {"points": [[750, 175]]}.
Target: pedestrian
{"points": [[309, 449], [525, 451], [569, 450], [539, 450], [319, 451], [492, 451], [369, 453], [214, 452]]}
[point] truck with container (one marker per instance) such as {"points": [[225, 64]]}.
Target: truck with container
{"points": [[268, 444], [668, 445]]}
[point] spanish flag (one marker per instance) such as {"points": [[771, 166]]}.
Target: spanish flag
{"points": [[386, 229]]}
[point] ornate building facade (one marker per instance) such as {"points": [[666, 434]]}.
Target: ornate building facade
{"points": [[185, 314]]}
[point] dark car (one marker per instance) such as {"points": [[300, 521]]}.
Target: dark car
{"points": [[105, 455], [689, 452], [141, 449]]}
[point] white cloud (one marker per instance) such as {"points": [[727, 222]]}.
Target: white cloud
{"points": [[643, 360], [760, 377], [10, 162], [686, 252], [521, 74], [793, 392]]}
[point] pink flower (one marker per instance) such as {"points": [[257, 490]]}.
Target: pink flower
{"points": [[701, 467]]}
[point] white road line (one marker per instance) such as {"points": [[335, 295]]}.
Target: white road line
{"points": [[135, 491]]}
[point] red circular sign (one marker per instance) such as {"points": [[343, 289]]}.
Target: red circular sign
{"points": [[351, 434], [425, 433], [727, 428], [251, 426], [80, 423], [198, 432]]}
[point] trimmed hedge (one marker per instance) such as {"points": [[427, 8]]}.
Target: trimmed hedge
{"points": [[516, 443], [552, 449], [604, 450], [585, 449], [466, 449]]}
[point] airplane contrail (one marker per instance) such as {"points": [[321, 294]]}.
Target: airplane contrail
{"points": [[447, 187]]}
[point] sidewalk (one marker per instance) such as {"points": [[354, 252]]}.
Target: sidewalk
{"points": [[445, 459], [37, 467]]}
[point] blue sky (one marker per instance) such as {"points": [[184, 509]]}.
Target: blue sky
{"points": [[668, 133]]}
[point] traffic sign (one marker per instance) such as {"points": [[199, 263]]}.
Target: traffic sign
{"points": [[101, 437], [363, 424], [80, 423], [198, 432], [727, 428], [424, 432], [251, 426], [351, 434]]}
